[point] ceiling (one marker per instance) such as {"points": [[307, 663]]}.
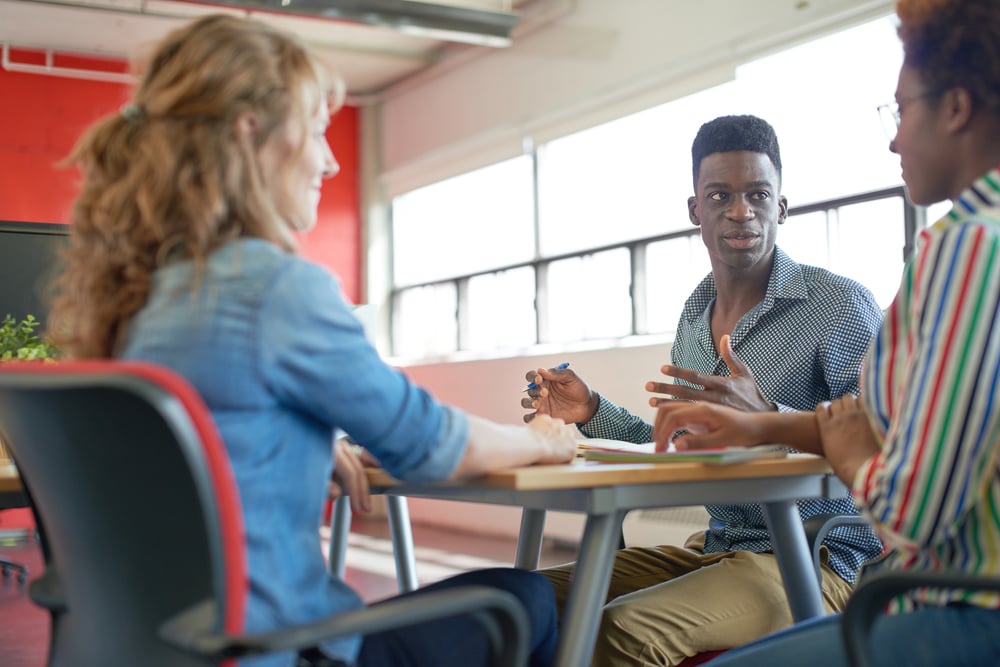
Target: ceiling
{"points": [[370, 58]]}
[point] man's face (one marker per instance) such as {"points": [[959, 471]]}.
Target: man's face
{"points": [[738, 207]]}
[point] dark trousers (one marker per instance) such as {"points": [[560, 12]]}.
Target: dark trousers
{"points": [[461, 641]]}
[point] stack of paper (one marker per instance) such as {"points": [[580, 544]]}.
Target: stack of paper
{"points": [[617, 451]]}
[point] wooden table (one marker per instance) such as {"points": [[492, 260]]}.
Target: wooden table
{"points": [[606, 491]]}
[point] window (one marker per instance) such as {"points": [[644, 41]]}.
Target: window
{"points": [[481, 220], [588, 237], [863, 240], [501, 308], [428, 318], [588, 297], [673, 269], [607, 185]]}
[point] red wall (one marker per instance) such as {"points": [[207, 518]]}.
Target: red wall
{"points": [[41, 117]]}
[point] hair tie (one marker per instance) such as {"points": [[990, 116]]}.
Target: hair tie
{"points": [[133, 113]]}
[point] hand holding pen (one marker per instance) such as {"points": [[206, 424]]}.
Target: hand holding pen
{"points": [[561, 393], [530, 376]]}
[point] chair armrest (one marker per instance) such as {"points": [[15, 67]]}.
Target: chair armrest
{"points": [[870, 598], [502, 615], [46, 591], [818, 526]]}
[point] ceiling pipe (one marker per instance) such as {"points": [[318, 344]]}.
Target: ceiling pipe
{"points": [[420, 19], [51, 69]]}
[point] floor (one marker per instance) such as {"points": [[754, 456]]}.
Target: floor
{"points": [[370, 571]]}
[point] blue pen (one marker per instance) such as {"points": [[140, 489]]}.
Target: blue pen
{"points": [[561, 367]]}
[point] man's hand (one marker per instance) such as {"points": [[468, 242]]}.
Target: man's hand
{"points": [[349, 476], [847, 435], [559, 393], [739, 390]]}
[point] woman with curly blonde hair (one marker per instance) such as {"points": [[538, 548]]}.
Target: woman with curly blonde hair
{"points": [[182, 254], [172, 157]]}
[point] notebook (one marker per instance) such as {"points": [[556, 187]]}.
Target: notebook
{"points": [[617, 451]]}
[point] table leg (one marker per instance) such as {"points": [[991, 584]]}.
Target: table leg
{"points": [[591, 576], [795, 562], [402, 543], [529, 541], [340, 528]]}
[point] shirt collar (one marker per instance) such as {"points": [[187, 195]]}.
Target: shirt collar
{"points": [[983, 194], [786, 282]]}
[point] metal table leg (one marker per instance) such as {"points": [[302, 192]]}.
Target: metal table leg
{"points": [[582, 615], [340, 528], [399, 528], [402, 543], [529, 541], [794, 559]]}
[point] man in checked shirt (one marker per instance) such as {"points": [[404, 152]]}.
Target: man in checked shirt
{"points": [[760, 333]]}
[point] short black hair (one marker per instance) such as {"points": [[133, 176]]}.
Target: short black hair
{"points": [[735, 133]]}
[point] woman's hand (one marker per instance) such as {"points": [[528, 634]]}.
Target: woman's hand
{"points": [[560, 440], [705, 425], [349, 476], [847, 435]]}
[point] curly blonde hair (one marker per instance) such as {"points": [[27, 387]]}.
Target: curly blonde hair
{"points": [[170, 178]]}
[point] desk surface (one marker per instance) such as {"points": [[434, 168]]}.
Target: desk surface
{"points": [[595, 474]]}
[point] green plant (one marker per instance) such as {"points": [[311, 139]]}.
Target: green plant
{"points": [[19, 342]]}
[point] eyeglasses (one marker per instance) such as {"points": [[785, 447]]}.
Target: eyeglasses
{"points": [[889, 114]]}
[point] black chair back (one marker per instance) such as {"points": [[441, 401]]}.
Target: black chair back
{"points": [[142, 530], [128, 504]]}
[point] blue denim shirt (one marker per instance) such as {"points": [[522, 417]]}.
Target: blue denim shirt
{"points": [[271, 346]]}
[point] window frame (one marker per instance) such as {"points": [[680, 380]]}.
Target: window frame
{"points": [[913, 217]]}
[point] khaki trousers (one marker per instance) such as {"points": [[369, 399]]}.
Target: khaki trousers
{"points": [[668, 603]]}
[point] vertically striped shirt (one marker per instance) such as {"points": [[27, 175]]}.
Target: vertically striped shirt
{"points": [[930, 383]]}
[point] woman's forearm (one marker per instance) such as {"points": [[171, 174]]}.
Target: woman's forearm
{"points": [[795, 429], [492, 446]]}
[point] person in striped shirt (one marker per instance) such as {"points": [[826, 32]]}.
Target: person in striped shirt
{"points": [[921, 445]]}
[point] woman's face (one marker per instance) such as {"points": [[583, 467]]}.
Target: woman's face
{"points": [[294, 161], [920, 141]]}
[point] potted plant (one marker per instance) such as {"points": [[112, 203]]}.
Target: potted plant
{"points": [[19, 342]]}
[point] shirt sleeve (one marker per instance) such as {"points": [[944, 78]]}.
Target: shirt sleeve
{"points": [[937, 411], [855, 324], [318, 361], [616, 423]]}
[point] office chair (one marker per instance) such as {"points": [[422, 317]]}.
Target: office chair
{"points": [[142, 531], [875, 592], [9, 537]]}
